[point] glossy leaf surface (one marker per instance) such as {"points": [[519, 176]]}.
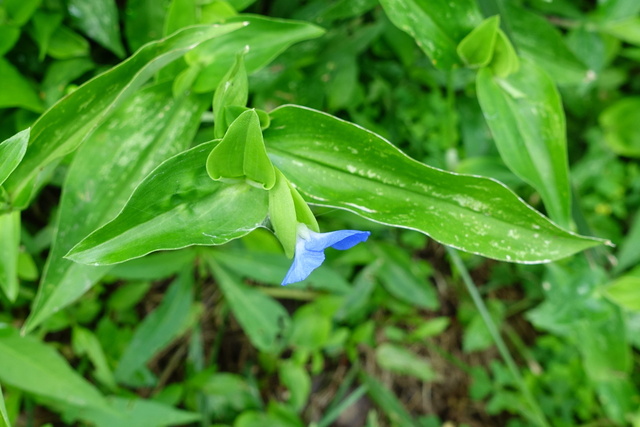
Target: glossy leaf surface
{"points": [[98, 19], [265, 37], [149, 128], [177, 205], [338, 164], [67, 124], [437, 26], [11, 153], [9, 250], [526, 118]]}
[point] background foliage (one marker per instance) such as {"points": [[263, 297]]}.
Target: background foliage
{"points": [[538, 95]]}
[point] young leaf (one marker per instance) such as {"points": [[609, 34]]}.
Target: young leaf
{"points": [[17, 91], [10, 238], [505, 61], [476, 49], [232, 90], [177, 205], [67, 124], [398, 359], [526, 118], [241, 154], [338, 164], [11, 152], [30, 365], [159, 328], [148, 129], [4, 417], [437, 26]]}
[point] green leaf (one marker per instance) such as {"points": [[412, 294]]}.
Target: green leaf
{"points": [[296, 379], [619, 122], [30, 365], [98, 19], [65, 43], [148, 129], [399, 360], [17, 91], [526, 118], [181, 13], [232, 90], [9, 35], [144, 21], [436, 25], [60, 74], [44, 26], [627, 30], [136, 413], [4, 417], [625, 291], [282, 214], [476, 49], [629, 253], [338, 164], [387, 401], [262, 318], [78, 114], [241, 155], [159, 328], [19, 11], [505, 60], [9, 249], [540, 42], [266, 38], [177, 205], [85, 342], [11, 152]]}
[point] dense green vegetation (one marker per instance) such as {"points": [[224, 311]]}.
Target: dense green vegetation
{"points": [[158, 159]]}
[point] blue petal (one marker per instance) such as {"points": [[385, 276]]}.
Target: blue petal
{"points": [[310, 248], [341, 239]]}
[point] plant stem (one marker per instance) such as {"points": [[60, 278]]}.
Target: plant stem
{"points": [[536, 412]]}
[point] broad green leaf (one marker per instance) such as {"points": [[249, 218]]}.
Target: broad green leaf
{"points": [[177, 205], [526, 118], [77, 115], [399, 360], [619, 122], [144, 21], [241, 155], [136, 413], [4, 417], [629, 253], [148, 129], [263, 319], [625, 291], [539, 41], [296, 379], [265, 37], [17, 91], [11, 152], [30, 365], [98, 19], [476, 49], [227, 394], [505, 60], [60, 74], [85, 342], [436, 25], [615, 10], [181, 13], [159, 328], [240, 5], [9, 249], [338, 164], [155, 266]]}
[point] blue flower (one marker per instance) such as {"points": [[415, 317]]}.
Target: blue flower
{"points": [[310, 248]]}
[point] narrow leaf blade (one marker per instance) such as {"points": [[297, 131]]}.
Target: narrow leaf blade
{"points": [[11, 152]]}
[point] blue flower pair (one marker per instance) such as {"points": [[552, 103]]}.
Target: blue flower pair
{"points": [[310, 247]]}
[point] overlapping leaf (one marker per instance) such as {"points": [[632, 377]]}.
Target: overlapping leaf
{"points": [[338, 164]]}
